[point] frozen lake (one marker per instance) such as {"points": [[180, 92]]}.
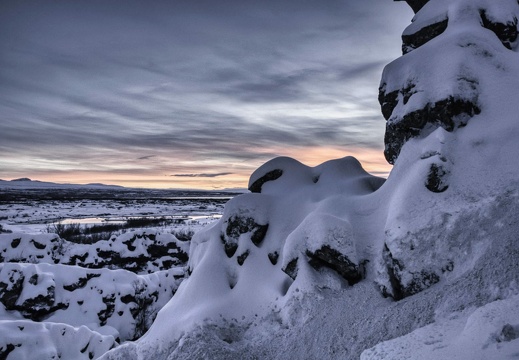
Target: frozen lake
{"points": [[36, 210]]}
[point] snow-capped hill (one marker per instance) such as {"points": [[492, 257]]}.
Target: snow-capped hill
{"points": [[26, 183]]}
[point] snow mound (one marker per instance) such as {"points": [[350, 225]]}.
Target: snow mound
{"points": [[490, 332], [38, 341]]}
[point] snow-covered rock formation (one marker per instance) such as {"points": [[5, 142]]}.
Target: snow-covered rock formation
{"points": [[136, 251], [328, 262], [81, 300]]}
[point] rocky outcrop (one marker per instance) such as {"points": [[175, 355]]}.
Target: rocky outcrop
{"points": [[412, 101], [416, 5], [255, 187], [423, 93], [120, 300], [333, 259]]}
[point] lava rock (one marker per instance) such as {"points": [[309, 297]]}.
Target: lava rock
{"points": [[422, 36], [270, 176], [506, 32], [445, 113], [436, 179], [10, 291], [333, 259], [396, 270], [291, 268]]}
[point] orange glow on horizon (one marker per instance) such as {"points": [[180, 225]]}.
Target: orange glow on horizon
{"points": [[234, 175]]}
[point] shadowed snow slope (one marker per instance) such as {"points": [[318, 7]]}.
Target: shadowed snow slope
{"points": [[327, 262]]}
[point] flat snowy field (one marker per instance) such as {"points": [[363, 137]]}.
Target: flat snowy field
{"points": [[31, 207]]}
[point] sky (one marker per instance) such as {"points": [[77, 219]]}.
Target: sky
{"points": [[190, 93]]}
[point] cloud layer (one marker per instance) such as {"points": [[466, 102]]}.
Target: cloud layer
{"points": [[135, 91]]}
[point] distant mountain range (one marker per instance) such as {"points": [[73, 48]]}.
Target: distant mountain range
{"points": [[26, 183]]}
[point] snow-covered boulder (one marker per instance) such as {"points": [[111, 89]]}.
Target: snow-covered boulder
{"points": [[116, 302], [137, 251]]}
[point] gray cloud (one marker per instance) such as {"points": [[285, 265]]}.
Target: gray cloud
{"points": [[204, 175], [96, 83]]}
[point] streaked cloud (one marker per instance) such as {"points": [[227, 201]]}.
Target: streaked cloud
{"points": [[94, 90], [203, 175]]}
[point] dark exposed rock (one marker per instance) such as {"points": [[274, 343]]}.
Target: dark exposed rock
{"points": [[38, 245], [291, 268], [387, 101], [81, 283], [74, 259], [15, 243], [106, 313], [229, 247], [33, 279], [241, 258], [420, 280], [126, 299], [238, 225], [422, 36], [129, 244], [508, 333], [328, 257], [158, 250], [436, 179], [259, 234], [10, 291], [506, 32], [416, 5], [270, 176], [4, 353], [446, 113], [273, 257]]}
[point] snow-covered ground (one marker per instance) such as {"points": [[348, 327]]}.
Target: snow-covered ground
{"points": [[60, 299]]}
